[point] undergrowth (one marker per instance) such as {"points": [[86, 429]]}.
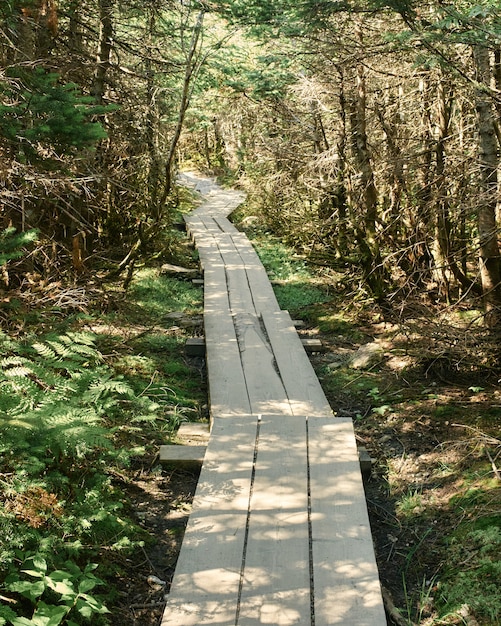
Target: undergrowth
{"points": [[82, 400]]}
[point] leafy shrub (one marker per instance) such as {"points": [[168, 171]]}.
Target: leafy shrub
{"points": [[56, 595], [11, 244], [40, 110]]}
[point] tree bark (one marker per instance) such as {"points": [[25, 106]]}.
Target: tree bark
{"points": [[104, 49], [366, 235], [489, 257], [192, 65]]}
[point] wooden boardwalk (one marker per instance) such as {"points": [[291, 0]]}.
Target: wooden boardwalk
{"points": [[279, 533]]}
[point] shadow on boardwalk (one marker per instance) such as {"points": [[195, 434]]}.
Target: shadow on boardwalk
{"points": [[279, 532]]}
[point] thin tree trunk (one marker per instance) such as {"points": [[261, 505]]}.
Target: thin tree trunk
{"points": [[490, 264], [104, 49], [152, 120], [190, 71], [366, 235], [75, 29]]}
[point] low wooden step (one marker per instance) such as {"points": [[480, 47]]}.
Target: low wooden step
{"points": [[312, 345], [195, 346], [189, 457], [193, 433]]}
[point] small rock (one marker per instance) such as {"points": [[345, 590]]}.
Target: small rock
{"points": [[335, 365], [366, 356], [155, 582]]}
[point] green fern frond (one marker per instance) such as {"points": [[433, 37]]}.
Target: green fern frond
{"points": [[85, 350], [15, 390], [45, 351], [60, 348], [18, 372], [9, 361], [110, 385], [83, 338]]}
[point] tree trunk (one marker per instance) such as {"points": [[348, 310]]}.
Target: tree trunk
{"points": [[104, 49], [365, 232], [152, 119], [490, 266], [192, 65], [75, 37]]}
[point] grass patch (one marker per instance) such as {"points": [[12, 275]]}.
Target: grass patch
{"points": [[155, 295], [473, 571]]}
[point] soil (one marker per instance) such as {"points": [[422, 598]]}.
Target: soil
{"points": [[160, 502]]}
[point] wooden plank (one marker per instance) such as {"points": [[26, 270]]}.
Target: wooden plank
{"points": [[206, 584], [195, 346], [311, 345], [240, 296], [346, 584], [227, 385], [276, 576], [225, 225], [193, 433], [264, 385], [302, 386], [262, 291], [182, 456]]}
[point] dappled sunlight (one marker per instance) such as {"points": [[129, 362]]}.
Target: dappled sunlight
{"points": [[280, 503], [200, 610], [277, 608]]}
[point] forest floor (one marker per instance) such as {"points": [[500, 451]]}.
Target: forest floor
{"points": [[427, 407]]}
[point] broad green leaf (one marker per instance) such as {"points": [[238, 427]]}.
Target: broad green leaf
{"points": [[63, 587], [22, 621], [49, 615], [87, 584], [31, 590]]}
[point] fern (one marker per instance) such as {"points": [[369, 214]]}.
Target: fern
{"points": [[58, 408], [12, 243], [53, 395]]}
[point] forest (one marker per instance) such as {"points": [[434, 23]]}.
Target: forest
{"points": [[367, 137]]}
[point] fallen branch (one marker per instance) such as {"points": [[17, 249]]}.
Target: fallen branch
{"points": [[392, 610]]}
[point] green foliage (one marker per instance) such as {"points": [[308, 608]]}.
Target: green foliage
{"points": [[55, 596], [157, 295], [53, 396], [474, 570], [12, 243], [60, 407], [266, 77], [39, 110]]}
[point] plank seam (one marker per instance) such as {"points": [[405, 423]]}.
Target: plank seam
{"points": [[310, 529], [247, 522]]}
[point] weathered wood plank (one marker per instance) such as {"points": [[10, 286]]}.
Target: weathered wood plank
{"points": [[182, 456], [276, 577], [302, 386], [346, 584], [227, 385], [206, 584], [262, 291], [264, 384]]}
